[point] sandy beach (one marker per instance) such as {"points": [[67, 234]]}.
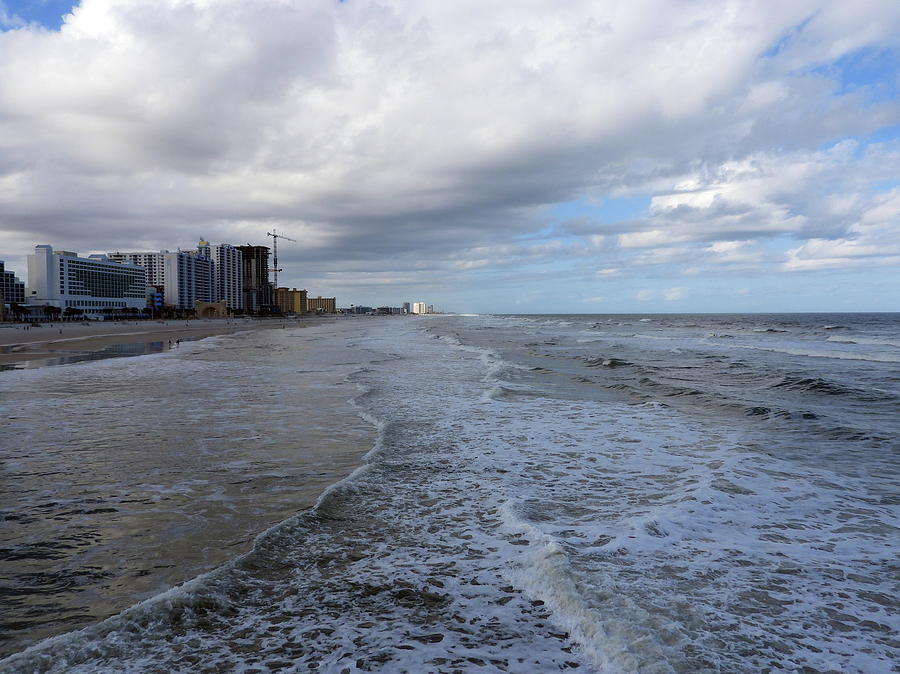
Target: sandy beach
{"points": [[59, 342]]}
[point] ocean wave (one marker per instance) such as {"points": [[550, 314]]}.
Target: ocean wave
{"points": [[837, 355], [868, 341], [600, 361], [816, 385]]}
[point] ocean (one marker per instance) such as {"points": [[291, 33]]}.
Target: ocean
{"points": [[603, 493]]}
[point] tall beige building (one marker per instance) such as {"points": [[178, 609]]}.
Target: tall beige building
{"points": [[291, 301]]}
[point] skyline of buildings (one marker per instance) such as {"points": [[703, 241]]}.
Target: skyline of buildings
{"points": [[233, 277], [185, 276]]}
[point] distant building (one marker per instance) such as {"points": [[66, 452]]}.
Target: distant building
{"points": [[228, 281], [407, 308], [322, 305], [188, 279], [11, 287], [153, 262], [185, 277], [291, 301], [255, 278], [62, 279], [419, 308]]}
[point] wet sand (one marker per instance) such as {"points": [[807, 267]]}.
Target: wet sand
{"points": [[134, 489], [60, 342]]}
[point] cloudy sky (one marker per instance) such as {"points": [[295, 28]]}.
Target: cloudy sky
{"points": [[507, 156]]}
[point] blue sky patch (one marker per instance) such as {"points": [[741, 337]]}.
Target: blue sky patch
{"points": [[48, 13]]}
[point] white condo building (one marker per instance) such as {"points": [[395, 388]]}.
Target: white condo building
{"points": [[152, 262], [419, 308], [228, 282], [186, 278], [62, 279]]}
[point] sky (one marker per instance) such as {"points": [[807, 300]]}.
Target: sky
{"points": [[592, 156]]}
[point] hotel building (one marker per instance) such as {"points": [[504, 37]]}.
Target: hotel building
{"points": [[152, 262], [62, 279], [228, 285], [322, 305], [188, 279], [291, 301]]}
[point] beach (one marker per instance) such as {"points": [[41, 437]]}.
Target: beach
{"points": [[25, 345], [160, 467], [653, 493]]}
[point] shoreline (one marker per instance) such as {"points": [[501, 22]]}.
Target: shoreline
{"points": [[23, 346], [176, 505]]}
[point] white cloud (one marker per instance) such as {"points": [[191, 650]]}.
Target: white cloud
{"points": [[725, 252], [395, 132], [872, 240], [675, 294]]}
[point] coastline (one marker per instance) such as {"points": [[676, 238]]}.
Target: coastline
{"points": [[198, 499], [62, 343]]}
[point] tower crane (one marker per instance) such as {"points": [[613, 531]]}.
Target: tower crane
{"points": [[275, 236]]}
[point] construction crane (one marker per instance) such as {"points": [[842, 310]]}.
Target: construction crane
{"points": [[275, 236]]}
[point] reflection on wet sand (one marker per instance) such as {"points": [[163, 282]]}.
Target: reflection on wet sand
{"points": [[47, 357], [124, 477]]}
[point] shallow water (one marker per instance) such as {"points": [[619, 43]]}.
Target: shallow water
{"points": [[605, 493], [123, 478]]}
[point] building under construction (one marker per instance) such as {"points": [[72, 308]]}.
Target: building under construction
{"points": [[255, 276]]}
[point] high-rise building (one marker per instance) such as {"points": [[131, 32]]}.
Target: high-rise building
{"points": [[228, 282], [291, 301], [152, 262], [185, 277], [255, 277], [62, 279], [188, 279], [12, 288], [419, 308]]}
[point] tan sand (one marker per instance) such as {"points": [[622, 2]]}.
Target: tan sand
{"points": [[18, 344]]}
